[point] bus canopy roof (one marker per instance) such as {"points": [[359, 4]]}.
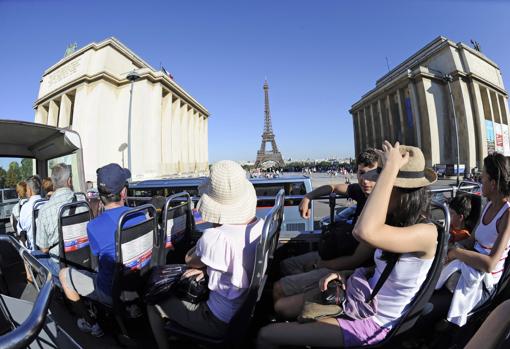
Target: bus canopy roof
{"points": [[30, 140]]}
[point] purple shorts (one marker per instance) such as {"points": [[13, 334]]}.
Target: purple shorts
{"points": [[361, 332]]}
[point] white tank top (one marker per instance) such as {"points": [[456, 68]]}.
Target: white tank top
{"points": [[485, 237], [400, 287]]}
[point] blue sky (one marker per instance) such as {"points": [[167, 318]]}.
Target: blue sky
{"points": [[319, 56]]}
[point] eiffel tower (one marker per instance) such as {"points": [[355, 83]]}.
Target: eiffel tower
{"points": [[271, 158]]}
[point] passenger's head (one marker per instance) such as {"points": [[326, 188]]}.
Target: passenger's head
{"points": [[21, 189], [366, 163], [410, 200], [460, 208], [33, 186], [61, 176], [112, 184], [228, 197], [495, 175], [90, 185], [47, 186]]}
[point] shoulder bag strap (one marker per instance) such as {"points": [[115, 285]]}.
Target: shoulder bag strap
{"points": [[385, 274]]}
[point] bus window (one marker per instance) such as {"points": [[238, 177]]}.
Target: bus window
{"points": [[72, 160], [12, 171]]}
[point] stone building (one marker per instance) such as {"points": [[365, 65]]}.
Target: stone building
{"points": [[412, 104], [88, 91]]}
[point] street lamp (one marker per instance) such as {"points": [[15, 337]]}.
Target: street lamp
{"points": [[123, 147], [132, 76]]}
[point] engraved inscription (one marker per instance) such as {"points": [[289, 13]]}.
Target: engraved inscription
{"points": [[64, 72]]}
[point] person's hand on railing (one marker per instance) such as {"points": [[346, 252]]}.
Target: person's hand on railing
{"points": [[304, 207]]}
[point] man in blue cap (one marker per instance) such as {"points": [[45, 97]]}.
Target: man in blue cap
{"points": [[112, 186]]}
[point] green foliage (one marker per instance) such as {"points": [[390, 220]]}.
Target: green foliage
{"points": [[3, 175], [26, 168], [16, 173], [13, 175]]}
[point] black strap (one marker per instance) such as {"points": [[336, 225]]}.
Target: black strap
{"points": [[72, 210], [332, 204], [390, 264]]}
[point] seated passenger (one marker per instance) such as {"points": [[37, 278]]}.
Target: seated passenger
{"points": [[481, 260], [226, 253], [47, 187], [25, 220], [367, 164], [306, 270], [47, 222], [394, 222], [460, 210], [21, 190], [112, 180]]}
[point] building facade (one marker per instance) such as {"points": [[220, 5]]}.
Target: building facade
{"points": [[412, 104], [88, 91]]}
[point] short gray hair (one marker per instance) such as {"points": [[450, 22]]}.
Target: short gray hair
{"points": [[60, 174], [34, 183]]}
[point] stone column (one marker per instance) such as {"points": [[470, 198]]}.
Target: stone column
{"points": [[64, 115], [401, 116], [166, 135], [41, 115], [430, 133], [185, 138], [175, 165], [355, 133], [53, 114], [206, 145], [382, 124], [465, 123], [363, 129], [479, 122], [416, 112], [392, 132]]}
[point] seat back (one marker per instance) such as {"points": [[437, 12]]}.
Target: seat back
{"points": [[177, 225], [35, 214], [427, 288], [266, 246], [73, 239], [135, 246], [21, 335]]}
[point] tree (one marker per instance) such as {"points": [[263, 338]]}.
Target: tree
{"points": [[26, 169], [13, 175], [3, 175]]}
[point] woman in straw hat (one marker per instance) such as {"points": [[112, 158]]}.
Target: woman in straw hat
{"points": [[226, 253], [394, 222]]}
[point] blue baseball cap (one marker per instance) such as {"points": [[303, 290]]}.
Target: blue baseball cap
{"points": [[112, 178]]}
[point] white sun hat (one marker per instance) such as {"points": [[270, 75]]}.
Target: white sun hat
{"points": [[227, 197]]}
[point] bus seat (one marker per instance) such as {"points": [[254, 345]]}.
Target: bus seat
{"points": [[21, 335], [420, 301], [239, 324], [177, 227], [135, 247], [35, 213], [73, 240]]}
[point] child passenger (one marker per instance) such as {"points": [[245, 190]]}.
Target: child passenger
{"points": [[394, 222], [482, 265], [460, 211]]}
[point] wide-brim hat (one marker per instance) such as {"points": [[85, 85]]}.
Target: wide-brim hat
{"points": [[227, 196], [414, 174]]}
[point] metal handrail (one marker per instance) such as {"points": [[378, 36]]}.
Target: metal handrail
{"points": [[28, 330]]}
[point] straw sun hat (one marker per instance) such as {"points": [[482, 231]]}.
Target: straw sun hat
{"points": [[414, 174], [227, 197]]}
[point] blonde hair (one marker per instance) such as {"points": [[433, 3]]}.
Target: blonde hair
{"points": [[21, 189]]}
